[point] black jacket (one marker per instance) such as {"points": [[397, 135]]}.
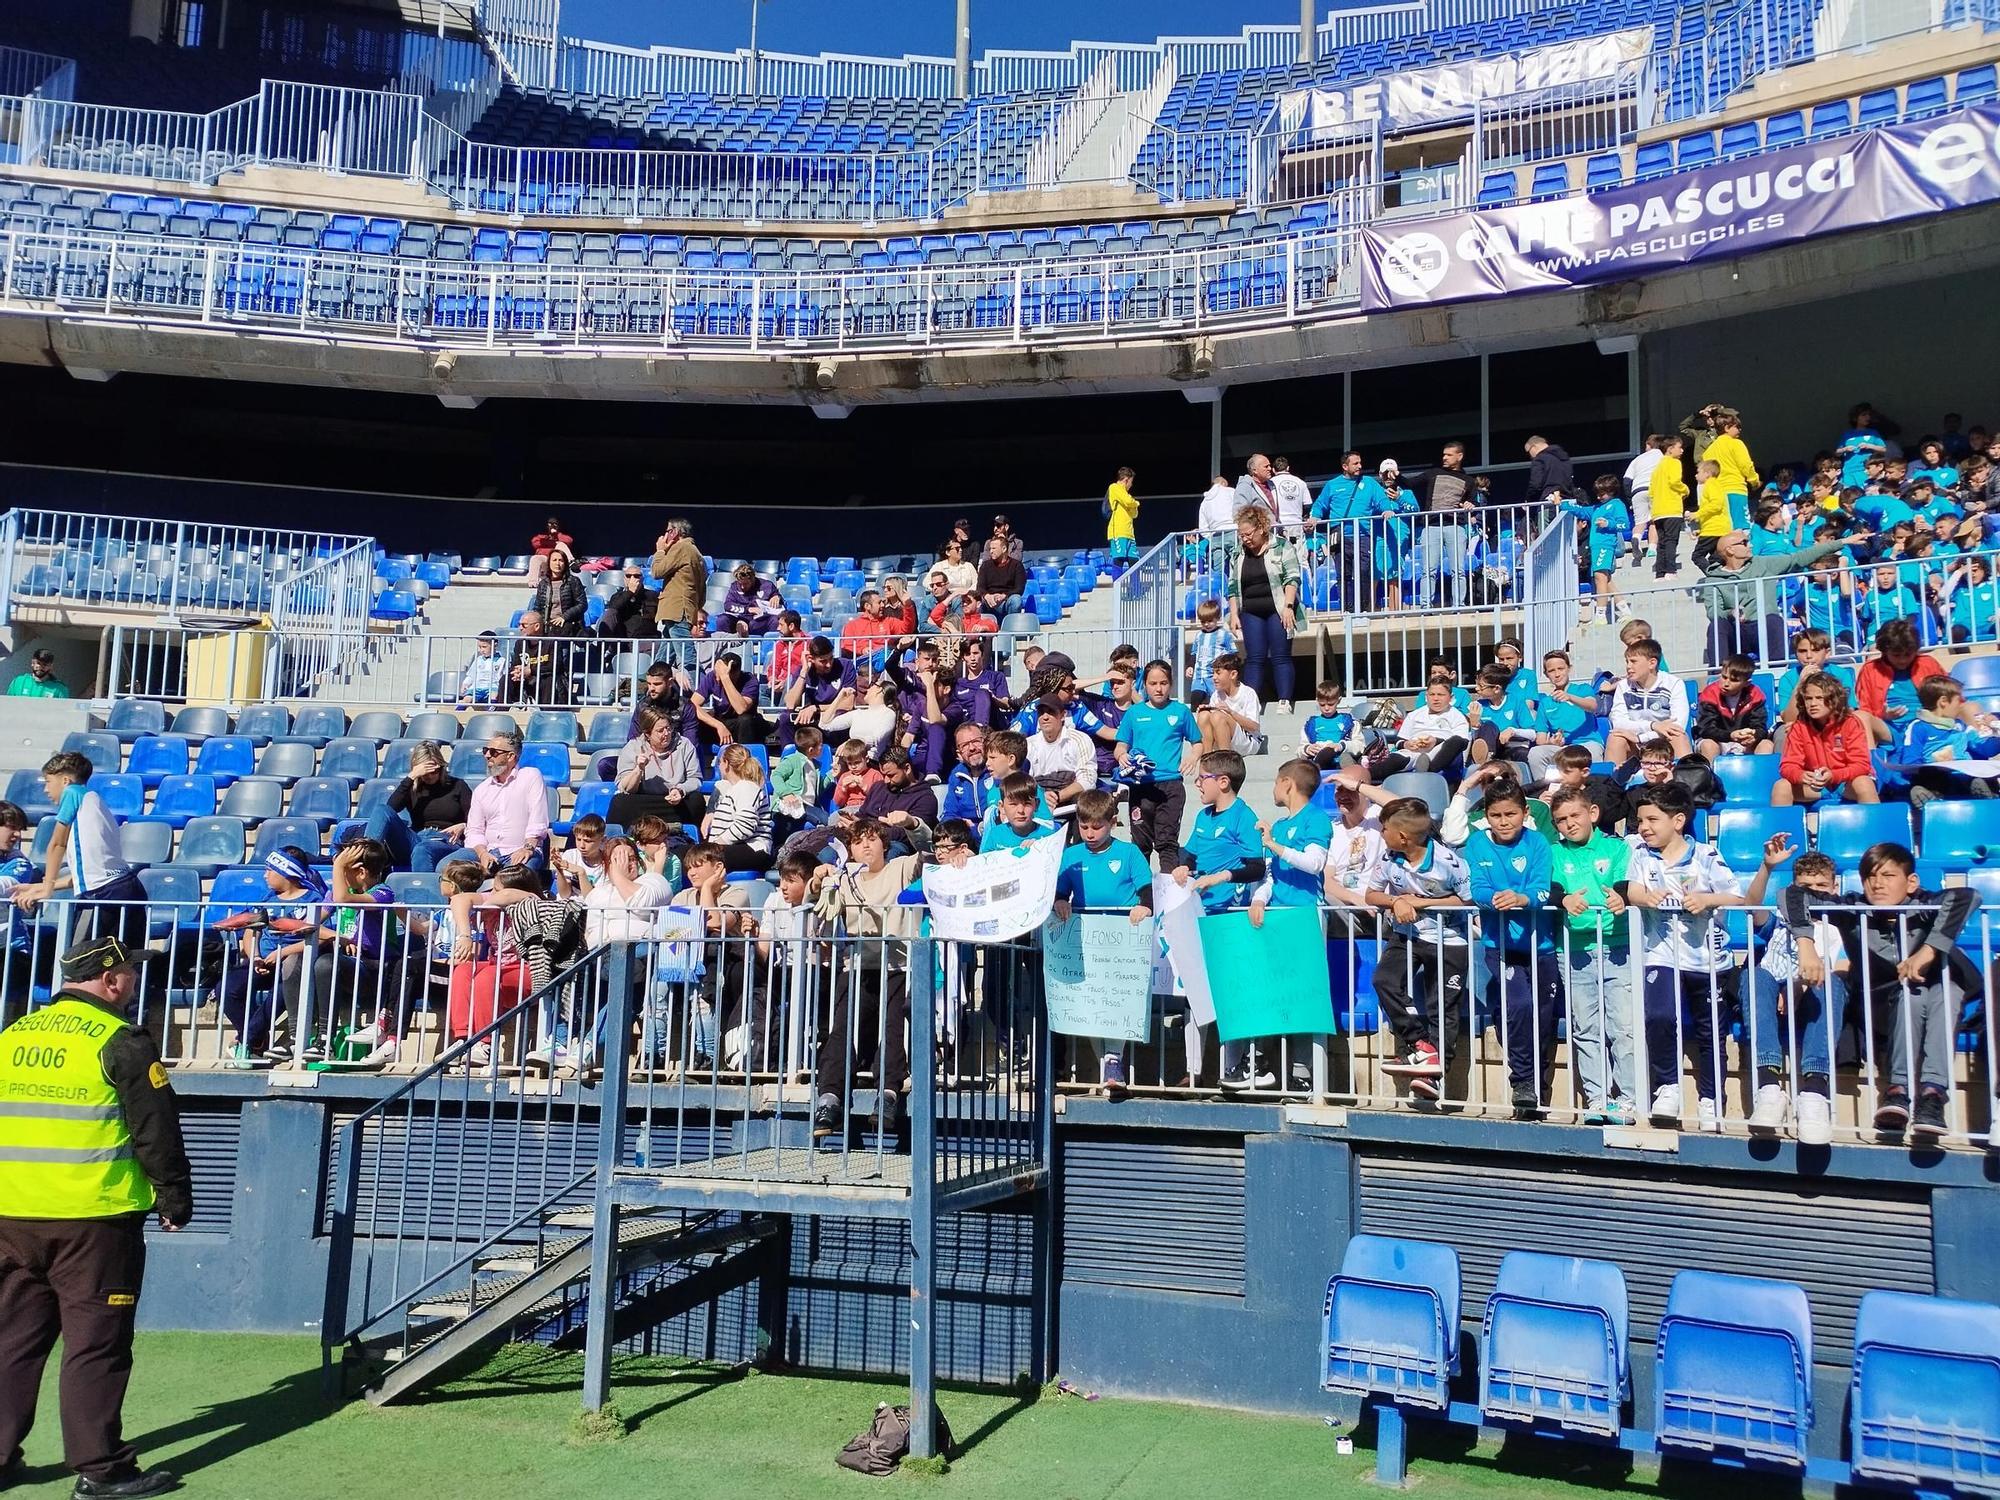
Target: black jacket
{"points": [[629, 616], [1550, 470]]}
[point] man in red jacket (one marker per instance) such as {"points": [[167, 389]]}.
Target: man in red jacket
{"points": [[1887, 686]]}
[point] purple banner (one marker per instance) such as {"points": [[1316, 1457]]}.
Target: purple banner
{"points": [[1715, 213]]}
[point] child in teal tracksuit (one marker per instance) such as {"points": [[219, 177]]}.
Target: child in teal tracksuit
{"points": [[1102, 873], [1606, 522]]}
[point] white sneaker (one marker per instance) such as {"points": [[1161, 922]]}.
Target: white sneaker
{"points": [[1705, 1116], [1815, 1117], [481, 1055], [365, 1036], [382, 1054], [1772, 1106], [541, 1057], [1667, 1103]]}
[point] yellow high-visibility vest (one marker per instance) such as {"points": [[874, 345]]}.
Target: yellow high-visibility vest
{"points": [[64, 1150]]}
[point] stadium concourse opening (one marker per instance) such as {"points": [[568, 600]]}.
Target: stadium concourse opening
{"points": [[1402, 845]]}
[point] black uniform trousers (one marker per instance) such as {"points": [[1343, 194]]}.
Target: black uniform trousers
{"points": [[79, 1278]]}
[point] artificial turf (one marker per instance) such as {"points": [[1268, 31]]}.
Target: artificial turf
{"points": [[242, 1416]]}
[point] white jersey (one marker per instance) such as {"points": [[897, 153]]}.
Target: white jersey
{"points": [[1441, 872], [1675, 938], [1354, 856], [1635, 710], [1294, 499]]}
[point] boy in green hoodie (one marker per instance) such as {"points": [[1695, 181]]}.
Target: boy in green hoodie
{"points": [[1589, 869]]}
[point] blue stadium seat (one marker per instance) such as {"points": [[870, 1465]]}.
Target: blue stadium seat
{"points": [[1432, 788], [318, 724], [1878, 107], [1924, 1407], [197, 724], [1551, 180], [1956, 838], [1747, 778], [441, 686], [552, 727], [379, 724], [1654, 159], [1607, 170], [324, 799], [239, 888], [276, 833], [1925, 97], [287, 760], [226, 758], [98, 746], [131, 718], [208, 844], [467, 761], [253, 798], [1498, 187], [432, 725], [551, 760], [1831, 119], [1787, 129], [1390, 1324], [416, 889], [181, 799], [591, 797], [394, 606], [263, 722], [1734, 1372], [1696, 150], [1845, 831], [607, 730], [146, 843], [1555, 1347], [481, 726], [1979, 85], [170, 886], [124, 794], [1740, 139], [1740, 833], [1978, 674], [354, 758], [372, 796], [157, 756]]}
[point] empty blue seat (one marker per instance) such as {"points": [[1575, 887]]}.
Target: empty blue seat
{"points": [[1925, 1402], [98, 746], [1735, 1369], [131, 718], [1697, 150], [1979, 85], [551, 760], [287, 760], [1977, 675], [432, 725], [157, 756], [181, 799], [591, 797], [355, 759], [1740, 833], [207, 844], [1786, 129], [372, 796], [254, 798], [1654, 159], [226, 758], [552, 727], [380, 725], [1390, 1325], [1498, 187], [237, 889], [324, 799], [1846, 831], [197, 724], [1551, 180], [482, 726], [1604, 171], [1957, 838], [607, 731], [1555, 1345], [1741, 139], [123, 794], [1878, 107], [319, 724], [263, 722], [173, 898], [415, 889], [146, 843], [277, 833], [1747, 778], [1925, 97]]}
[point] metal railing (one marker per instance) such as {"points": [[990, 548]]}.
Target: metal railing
{"points": [[1573, 1030], [68, 558], [473, 305], [1553, 124], [1142, 111], [1053, 151], [25, 72], [321, 615]]}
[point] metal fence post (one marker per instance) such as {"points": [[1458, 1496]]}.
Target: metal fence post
{"points": [[617, 1048]]}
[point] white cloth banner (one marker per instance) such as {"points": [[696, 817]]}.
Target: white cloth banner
{"points": [[1453, 88], [995, 897], [1180, 969]]}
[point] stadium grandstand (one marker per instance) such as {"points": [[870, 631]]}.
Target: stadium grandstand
{"points": [[1332, 691]]}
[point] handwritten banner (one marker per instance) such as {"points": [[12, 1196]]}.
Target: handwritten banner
{"points": [[1270, 981], [992, 898], [1097, 972]]}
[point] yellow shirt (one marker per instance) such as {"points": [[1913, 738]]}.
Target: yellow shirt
{"points": [[1669, 491], [1739, 475], [1711, 516], [1124, 511]]}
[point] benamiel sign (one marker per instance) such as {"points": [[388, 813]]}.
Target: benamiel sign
{"points": [[1850, 182]]}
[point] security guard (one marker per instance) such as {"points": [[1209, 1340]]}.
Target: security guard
{"points": [[90, 1140]]}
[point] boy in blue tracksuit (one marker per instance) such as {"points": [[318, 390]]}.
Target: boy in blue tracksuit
{"points": [[1325, 733], [1223, 854], [1975, 604], [1513, 885], [1507, 719], [1298, 845], [1939, 733], [1102, 873], [1607, 521]]}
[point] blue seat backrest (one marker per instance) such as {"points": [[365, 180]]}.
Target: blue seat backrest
{"points": [[1925, 1400], [1978, 674], [238, 888], [100, 747], [124, 794], [1570, 1281], [1390, 1322], [1847, 830], [1735, 1367], [1957, 833]]}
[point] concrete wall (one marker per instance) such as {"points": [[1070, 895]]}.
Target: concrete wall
{"points": [[1918, 351]]}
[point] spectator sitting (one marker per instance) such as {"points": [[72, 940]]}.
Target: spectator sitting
{"points": [[853, 776], [657, 774], [1432, 737], [1945, 730], [1061, 758], [1232, 717], [1826, 750], [901, 803], [962, 575], [629, 614], [823, 685], [725, 705], [559, 599], [1975, 605], [795, 782], [1425, 966], [1656, 767], [1730, 715], [683, 576], [485, 675], [875, 721], [580, 867], [740, 821], [752, 605], [899, 610], [1506, 719], [1810, 652], [273, 946], [546, 543], [1003, 529], [1887, 686], [507, 821], [788, 648], [1002, 579], [40, 680], [968, 789], [1648, 705], [867, 633], [425, 816]]}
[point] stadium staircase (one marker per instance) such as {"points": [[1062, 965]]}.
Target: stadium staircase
{"points": [[1669, 605]]}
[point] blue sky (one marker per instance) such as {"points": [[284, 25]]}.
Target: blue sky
{"points": [[893, 27]]}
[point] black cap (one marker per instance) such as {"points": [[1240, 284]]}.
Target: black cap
{"points": [[101, 956]]}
